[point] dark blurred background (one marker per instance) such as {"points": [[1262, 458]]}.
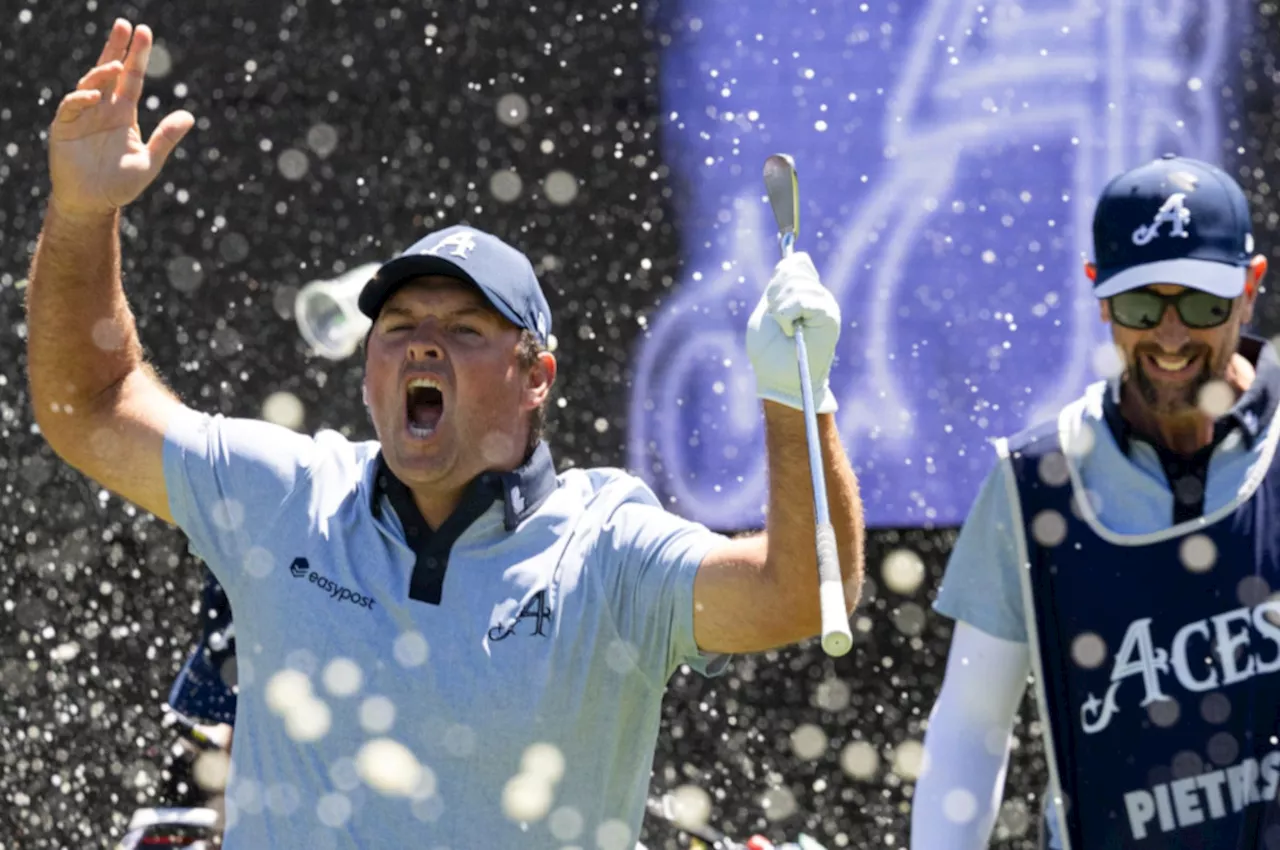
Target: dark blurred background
{"points": [[335, 132]]}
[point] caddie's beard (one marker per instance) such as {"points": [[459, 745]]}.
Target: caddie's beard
{"points": [[1165, 399]]}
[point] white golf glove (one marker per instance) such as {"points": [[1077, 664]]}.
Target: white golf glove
{"points": [[794, 294]]}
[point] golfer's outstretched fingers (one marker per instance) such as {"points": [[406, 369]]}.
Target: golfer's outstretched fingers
{"points": [[102, 79], [135, 64], [167, 135], [117, 42], [75, 103]]}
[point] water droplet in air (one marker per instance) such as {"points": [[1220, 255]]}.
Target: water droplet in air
{"points": [[1198, 553], [902, 571], [333, 809], [210, 770], [690, 807], [808, 742], [512, 109], [377, 714], [543, 760], [565, 823], [293, 164], [778, 803], [1108, 361], [342, 677], [860, 760], [959, 805], [560, 187], [1053, 469], [322, 139], [308, 721], [832, 695], [1164, 713], [411, 649], [1049, 528], [160, 62], [185, 273], [390, 768], [908, 760], [285, 409], [1088, 650], [505, 185], [526, 797]]}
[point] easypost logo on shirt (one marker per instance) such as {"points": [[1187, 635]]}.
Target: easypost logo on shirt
{"points": [[301, 568]]}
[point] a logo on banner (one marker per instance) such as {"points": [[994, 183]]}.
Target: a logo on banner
{"points": [[948, 204]]}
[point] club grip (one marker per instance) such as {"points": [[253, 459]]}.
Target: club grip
{"points": [[837, 639]]}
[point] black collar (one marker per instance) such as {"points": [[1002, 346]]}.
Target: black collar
{"points": [[1250, 414], [522, 491]]}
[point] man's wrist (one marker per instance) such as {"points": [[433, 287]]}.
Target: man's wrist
{"points": [[824, 401], [81, 216]]}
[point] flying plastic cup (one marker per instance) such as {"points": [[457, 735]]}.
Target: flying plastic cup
{"points": [[327, 315]]}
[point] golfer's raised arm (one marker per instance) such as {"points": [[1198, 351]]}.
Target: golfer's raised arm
{"points": [[97, 403]]}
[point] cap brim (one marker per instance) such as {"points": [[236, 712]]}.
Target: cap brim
{"points": [[395, 273], [1221, 279]]}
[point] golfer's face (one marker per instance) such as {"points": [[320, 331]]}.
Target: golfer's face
{"points": [[443, 383]]}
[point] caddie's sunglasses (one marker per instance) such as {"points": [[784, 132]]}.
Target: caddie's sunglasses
{"points": [[1142, 309]]}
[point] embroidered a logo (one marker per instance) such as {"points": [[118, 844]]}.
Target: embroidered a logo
{"points": [[462, 243], [536, 609], [1172, 212]]}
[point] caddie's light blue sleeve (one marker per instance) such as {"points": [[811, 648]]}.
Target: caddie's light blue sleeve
{"points": [[229, 481], [649, 558], [982, 584]]}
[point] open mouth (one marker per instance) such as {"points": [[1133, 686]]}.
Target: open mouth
{"points": [[424, 406]]}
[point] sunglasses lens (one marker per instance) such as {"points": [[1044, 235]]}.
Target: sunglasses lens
{"points": [[1137, 309], [1203, 310]]}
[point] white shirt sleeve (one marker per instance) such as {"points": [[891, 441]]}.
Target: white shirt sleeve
{"points": [[966, 745]]}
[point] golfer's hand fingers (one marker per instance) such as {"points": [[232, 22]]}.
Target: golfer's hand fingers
{"points": [[117, 42], [135, 64], [102, 79], [75, 103]]}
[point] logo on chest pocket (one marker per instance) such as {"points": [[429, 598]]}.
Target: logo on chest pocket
{"points": [[533, 620]]}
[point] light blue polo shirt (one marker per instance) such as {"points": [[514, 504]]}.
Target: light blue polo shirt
{"points": [[496, 684]]}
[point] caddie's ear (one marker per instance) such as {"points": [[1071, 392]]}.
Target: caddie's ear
{"points": [[1253, 279], [1091, 271], [364, 392]]}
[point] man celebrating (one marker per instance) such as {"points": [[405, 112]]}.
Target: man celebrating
{"points": [[1127, 551], [440, 641]]}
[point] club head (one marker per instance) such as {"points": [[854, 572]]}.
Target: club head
{"points": [[782, 185]]}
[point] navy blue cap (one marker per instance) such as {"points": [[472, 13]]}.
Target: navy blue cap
{"points": [[504, 275], [1175, 220]]}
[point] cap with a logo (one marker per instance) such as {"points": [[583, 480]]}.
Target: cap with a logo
{"points": [[504, 275], [1175, 220]]}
